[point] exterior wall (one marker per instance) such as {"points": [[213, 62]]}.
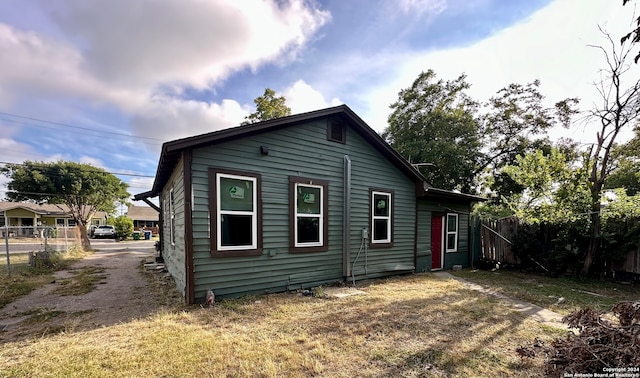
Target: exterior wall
{"points": [[174, 253], [21, 213], [426, 208], [48, 221], [304, 151], [423, 240]]}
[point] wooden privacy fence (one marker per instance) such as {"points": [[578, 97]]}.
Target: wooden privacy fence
{"points": [[496, 241]]}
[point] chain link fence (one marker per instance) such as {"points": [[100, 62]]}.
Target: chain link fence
{"points": [[18, 241]]}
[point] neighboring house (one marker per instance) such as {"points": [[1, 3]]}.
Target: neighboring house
{"points": [[25, 215], [144, 217], [300, 201]]}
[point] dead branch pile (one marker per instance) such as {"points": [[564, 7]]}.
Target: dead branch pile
{"points": [[598, 344]]}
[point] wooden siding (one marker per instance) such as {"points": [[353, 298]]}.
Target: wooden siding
{"points": [[426, 208], [301, 150], [174, 255]]}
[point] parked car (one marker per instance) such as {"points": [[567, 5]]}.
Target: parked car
{"points": [[102, 232]]}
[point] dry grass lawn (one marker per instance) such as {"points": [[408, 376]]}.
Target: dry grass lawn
{"points": [[546, 291], [408, 326]]}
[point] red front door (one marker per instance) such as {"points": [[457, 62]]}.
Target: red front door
{"points": [[436, 242]]}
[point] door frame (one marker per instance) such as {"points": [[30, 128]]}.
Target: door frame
{"points": [[442, 229]]}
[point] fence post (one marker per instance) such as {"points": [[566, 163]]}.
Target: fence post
{"points": [[6, 244], [66, 247]]}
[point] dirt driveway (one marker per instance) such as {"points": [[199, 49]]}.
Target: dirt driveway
{"points": [[122, 293]]}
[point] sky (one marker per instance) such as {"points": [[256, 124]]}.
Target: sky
{"points": [[106, 82]]}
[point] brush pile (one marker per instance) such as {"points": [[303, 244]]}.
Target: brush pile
{"points": [[603, 342]]}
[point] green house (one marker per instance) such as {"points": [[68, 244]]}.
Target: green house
{"points": [[297, 202]]}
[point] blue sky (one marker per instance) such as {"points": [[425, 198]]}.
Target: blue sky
{"points": [[107, 81]]}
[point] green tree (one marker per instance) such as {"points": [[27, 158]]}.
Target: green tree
{"points": [[626, 167], [268, 106], [123, 226], [433, 124], [516, 122], [437, 123], [84, 189], [619, 108], [554, 191]]}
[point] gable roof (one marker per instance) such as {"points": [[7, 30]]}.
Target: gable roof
{"points": [[142, 213], [171, 151], [44, 209]]}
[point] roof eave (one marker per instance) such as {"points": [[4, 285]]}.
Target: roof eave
{"points": [[447, 194], [171, 150]]}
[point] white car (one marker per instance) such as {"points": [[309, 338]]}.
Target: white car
{"points": [[102, 232]]}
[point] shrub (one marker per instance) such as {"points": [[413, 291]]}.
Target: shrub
{"points": [[123, 226]]}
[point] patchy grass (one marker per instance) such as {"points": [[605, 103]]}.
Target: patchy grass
{"points": [[546, 291], [83, 281], [40, 315], [24, 279], [409, 326]]}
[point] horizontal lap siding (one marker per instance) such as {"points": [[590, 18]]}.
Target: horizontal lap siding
{"points": [[426, 207], [300, 150], [174, 255], [370, 170], [423, 254], [295, 151]]}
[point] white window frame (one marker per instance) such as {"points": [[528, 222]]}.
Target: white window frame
{"points": [[377, 217], [320, 216], [253, 213], [448, 232]]}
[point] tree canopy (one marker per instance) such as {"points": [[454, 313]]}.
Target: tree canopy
{"points": [[433, 124], [460, 143], [83, 188], [268, 106]]}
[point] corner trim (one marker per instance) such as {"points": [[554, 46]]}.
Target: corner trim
{"points": [[188, 226]]}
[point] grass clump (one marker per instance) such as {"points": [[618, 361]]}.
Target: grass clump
{"points": [[82, 281], [25, 278]]}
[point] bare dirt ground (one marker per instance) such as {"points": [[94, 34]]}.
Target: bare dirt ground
{"points": [[124, 292]]}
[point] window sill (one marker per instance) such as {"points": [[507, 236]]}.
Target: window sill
{"points": [[321, 248], [237, 253], [380, 245]]}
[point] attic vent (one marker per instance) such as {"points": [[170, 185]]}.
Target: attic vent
{"points": [[336, 131]]}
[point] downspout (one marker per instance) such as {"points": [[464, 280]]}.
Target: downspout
{"points": [[159, 244], [346, 218]]}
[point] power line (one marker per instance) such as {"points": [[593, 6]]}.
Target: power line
{"points": [[73, 126], [92, 171], [41, 194], [113, 136]]}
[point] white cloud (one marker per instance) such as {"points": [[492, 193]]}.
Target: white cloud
{"points": [[550, 45], [124, 54], [301, 97], [92, 161], [36, 66], [175, 43], [171, 118], [422, 6], [15, 152]]}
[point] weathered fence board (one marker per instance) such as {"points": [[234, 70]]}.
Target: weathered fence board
{"points": [[496, 238]]}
